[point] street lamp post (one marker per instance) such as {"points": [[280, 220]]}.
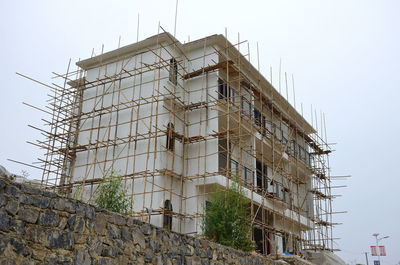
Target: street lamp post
{"points": [[377, 244]]}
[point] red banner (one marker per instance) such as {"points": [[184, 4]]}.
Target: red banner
{"points": [[382, 250], [373, 251]]}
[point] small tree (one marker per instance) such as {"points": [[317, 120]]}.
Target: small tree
{"points": [[112, 195], [227, 218]]}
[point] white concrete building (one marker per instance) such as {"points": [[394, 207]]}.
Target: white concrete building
{"points": [[174, 120]]}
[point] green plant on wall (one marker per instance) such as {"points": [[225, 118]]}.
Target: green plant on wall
{"points": [[112, 195], [227, 218]]}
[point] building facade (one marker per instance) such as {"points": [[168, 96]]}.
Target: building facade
{"points": [[176, 120]]}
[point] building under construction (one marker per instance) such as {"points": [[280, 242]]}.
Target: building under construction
{"points": [[176, 120]]}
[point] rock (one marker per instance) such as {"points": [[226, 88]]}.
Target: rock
{"points": [[117, 219], [148, 255], [172, 252], [146, 229], [58, 239], [38, 201], [49, 194], [165, 237], [119, 244], [80, 227], [100, 224], [63, 204], [126, 235], [95, 246], [63, 223], [187, 250], [81, 257], [17, 226], [2, 183], [154, 246], [109, 252], [59, 204], [49, 218], [57, 259], [138, 238], [80, 210], [207, 262], [204, 243], [12, 191], [114, 231], [41, 202], [193, 261], [71, 223], [176, 240], [89, 212], [106, 261], [18, 245], [28, 215], [30, 190], [4, 222], [12, 207], [89, 224], [3, 200], [3, 244]]}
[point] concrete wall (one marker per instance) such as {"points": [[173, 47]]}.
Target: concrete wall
{"points": [[39, 227]]}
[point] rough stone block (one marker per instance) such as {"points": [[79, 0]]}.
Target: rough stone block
{"points": [[117, 219], [81, 257], [3, 200], [90, 212], [114, 231], [17, 226], [4, 222], [58, 239], [126, 234], [12, 207], [30, 190], [63, 204], [18, 246], [49, 218], [12, 191], [28, 215], [100, 224], [146, 229], [138, 238]]}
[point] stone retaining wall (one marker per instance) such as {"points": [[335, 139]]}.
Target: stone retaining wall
{"points": [[39, 227]]}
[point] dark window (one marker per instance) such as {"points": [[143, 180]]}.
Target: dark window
{"points": [[246, 108], [293, 146], [248, 174], [234, 167], [170, 137], [167, 219], [284, 243], [258, 238], [286, 196], [222, 89], [277, 189], [268, 128], [259, 175], [257, 117], [173, 71], [208, 205]]}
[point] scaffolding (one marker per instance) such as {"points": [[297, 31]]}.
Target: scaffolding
{"points": [[175, 120]]}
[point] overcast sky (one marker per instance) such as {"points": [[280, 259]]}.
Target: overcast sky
{"points": [[344, 55]]}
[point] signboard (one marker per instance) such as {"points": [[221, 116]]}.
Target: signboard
{"points": [[382, 250], [373, 251], [377, 262]]}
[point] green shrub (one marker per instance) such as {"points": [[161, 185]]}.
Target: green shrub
{"points": [[227, 219], [112, 195]]}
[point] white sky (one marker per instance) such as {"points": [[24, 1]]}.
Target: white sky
{"points": [[344, 55]]}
